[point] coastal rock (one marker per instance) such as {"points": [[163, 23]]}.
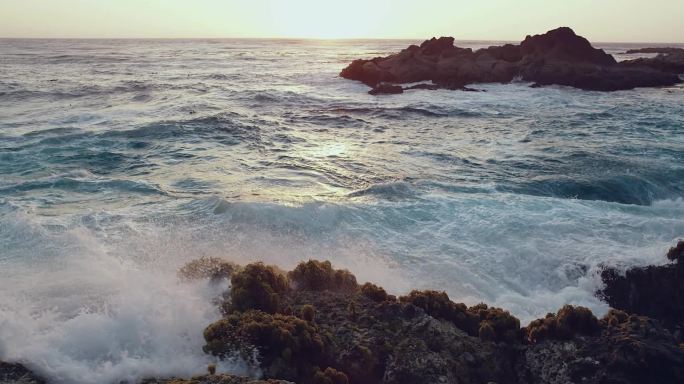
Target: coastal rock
{"points": [[666, 50], [386, 89], [215, 379], [670, 61], [17, 374], [328, 329], [556, 57], [654, 291], [317, 325]]}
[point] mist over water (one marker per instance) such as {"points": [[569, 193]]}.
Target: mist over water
{"points": [[122, 160]]}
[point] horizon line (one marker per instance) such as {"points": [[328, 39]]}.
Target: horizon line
{"points": [[313, 39]]}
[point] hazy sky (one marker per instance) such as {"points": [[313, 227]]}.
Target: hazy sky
{"points": [[598, 20]]}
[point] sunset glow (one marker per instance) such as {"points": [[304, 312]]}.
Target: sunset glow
{"points": [[326, 20], [656, 21]]}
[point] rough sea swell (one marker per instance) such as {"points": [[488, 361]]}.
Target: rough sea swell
{"points": [[122, 160]]}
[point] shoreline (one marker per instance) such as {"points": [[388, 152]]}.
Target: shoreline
{"points": [[316, 324]]}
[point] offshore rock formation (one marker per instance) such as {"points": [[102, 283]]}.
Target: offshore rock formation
{"points": [[670, 60], [556, 57], [666, 50], [657, 292]]}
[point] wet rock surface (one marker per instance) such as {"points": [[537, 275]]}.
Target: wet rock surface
{"points": [[17, 374], [215, 379], [654, 50], [557, 57], [670, 60], [317, 325], [328, 329], [654, 291]]}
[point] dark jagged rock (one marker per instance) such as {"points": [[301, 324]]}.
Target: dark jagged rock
{"points": [[316, 325], [386, 89], [563, 45], [215, 379], [670, 62], [556, 57], [344, 332], [654, 291], [17, 374], [654, 50], [627, 349]]}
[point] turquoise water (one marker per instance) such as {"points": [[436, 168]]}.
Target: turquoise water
{"points": [[121, 160]]}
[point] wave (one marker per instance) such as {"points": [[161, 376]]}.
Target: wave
{"points": [[623, 189], [104, 302], [224, 128], [78, 310], [408, 111], [388, 191], [80, 182]]}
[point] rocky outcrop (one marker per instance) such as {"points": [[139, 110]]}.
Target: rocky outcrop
{"points": [[386, 89], [669, 60], [317, 325], [215, 379], [556, 57], [665, 50], [325, 328], [657, 292]]}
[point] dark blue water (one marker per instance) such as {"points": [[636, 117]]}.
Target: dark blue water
{"points": [[121, 160]]}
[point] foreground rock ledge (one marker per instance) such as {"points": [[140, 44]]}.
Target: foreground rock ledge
{"points": [[318, 325], [557, 57]]}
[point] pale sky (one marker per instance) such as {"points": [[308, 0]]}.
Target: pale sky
{"points": [[598, 20]]}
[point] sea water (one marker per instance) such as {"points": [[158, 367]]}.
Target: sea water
{"points": [[121, 160]]}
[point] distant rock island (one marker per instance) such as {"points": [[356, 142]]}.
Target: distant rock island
{"points": [[558, 57]]}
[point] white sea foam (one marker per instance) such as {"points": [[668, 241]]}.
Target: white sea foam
{"points": [[96, 299], [97, 315]]}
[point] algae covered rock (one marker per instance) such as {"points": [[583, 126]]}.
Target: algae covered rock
{"points": [[288, 347], [258, 286], [654, 291], [316, 275], [566, 324], [375, 293], [212, 268], [322, 327]]}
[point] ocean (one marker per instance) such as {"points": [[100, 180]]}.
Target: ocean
{"points": [[121, 160]]}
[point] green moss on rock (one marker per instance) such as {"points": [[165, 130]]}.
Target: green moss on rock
{"points": [[330, 376], [259, 287], [308, 313], [506, 327], [316, 275], [375, 293], [208, 268], [288, 346], [569, 322]]}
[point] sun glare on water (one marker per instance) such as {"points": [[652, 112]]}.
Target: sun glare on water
{"points": [[319, 19]]}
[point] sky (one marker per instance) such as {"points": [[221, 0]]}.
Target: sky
{"points": [[598, 20]]}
